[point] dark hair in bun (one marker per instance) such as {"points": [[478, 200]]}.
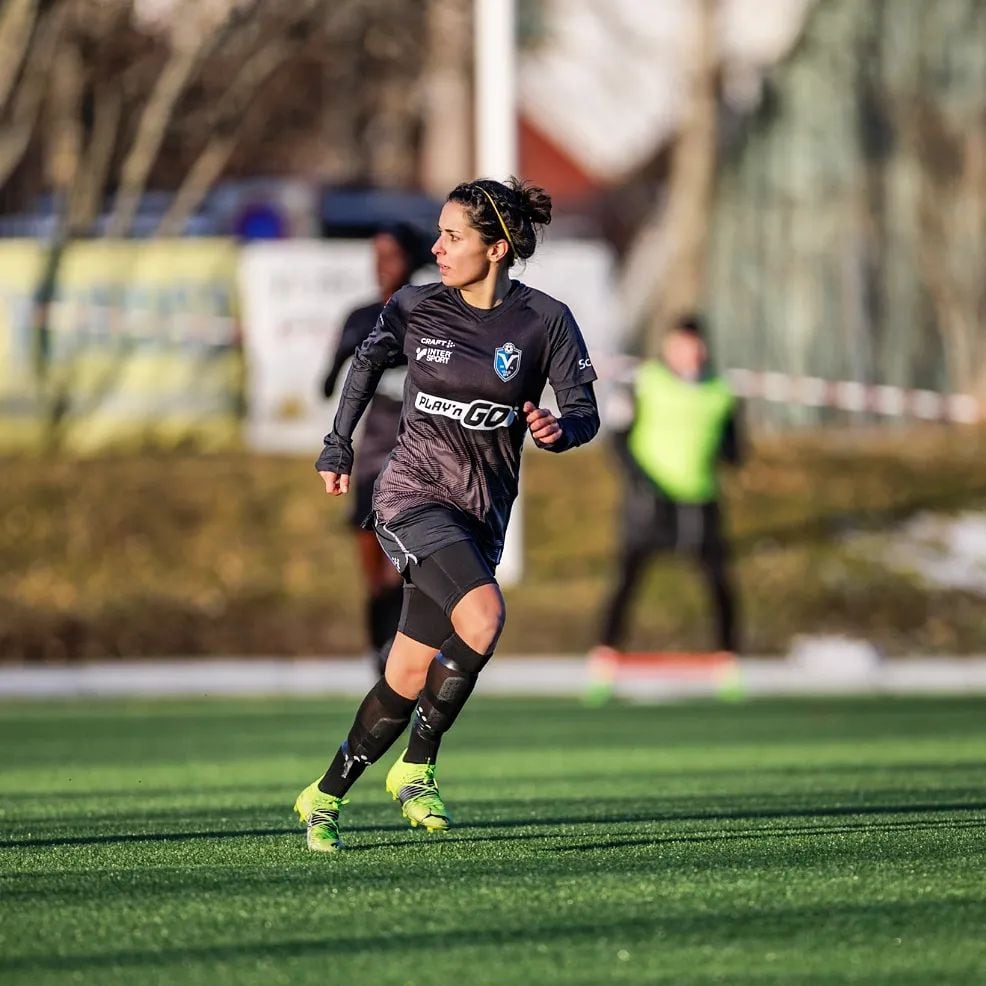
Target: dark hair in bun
{"points": [[515, 211]]}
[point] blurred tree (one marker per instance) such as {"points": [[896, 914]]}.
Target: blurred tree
{"points": [[113, 97], [684, 219], [118, 96], [447, 110], [16, 23], [849, 227], [190, 37], [28, 43], [951, 215]]}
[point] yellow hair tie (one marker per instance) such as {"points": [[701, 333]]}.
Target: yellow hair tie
{"points": [[503, 225]]}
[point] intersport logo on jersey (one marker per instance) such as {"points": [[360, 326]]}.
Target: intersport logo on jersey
{"points": [[476, 415]]}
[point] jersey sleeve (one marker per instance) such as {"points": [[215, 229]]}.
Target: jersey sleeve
{"points": [[578, 418], [382, 349], [569, 364]]}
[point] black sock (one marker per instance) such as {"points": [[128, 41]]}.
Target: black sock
{"points": [[380, 720], [423, 748], [452, 675]]}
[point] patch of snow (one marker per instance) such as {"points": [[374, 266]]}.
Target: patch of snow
{"points": [[947, 552]]}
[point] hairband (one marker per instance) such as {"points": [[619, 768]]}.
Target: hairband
{"points": [[503, 225]]}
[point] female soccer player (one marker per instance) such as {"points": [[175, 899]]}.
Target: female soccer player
{"points": [[480, 349], [397, 254]]}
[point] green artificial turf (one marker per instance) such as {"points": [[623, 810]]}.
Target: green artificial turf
{"points": [[810, 841]]}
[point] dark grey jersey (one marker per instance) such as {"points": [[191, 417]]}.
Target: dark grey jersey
{"points": [[470, 371]]}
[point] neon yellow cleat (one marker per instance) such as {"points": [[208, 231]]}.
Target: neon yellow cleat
{"points": [[320, 812], [414, 785]]}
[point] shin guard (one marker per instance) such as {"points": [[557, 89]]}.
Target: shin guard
{"points": [[451, 679]]}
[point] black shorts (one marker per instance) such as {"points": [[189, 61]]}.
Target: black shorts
{"points": [[421, 531], [450, 561]]}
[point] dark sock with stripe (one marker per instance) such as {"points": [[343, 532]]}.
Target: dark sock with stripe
{"points": [[422, 749], [380, 720]]}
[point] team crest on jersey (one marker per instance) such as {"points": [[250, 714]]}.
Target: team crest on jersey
{"points": [[506, 361]]}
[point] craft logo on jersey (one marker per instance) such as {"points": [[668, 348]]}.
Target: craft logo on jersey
{"points": [[434, 351], [506, 361]]}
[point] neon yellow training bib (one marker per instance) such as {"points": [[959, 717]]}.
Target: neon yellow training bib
{"points": [[677, 431]]}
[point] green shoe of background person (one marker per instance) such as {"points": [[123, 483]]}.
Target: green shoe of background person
{"points": [[320, 812], [414, 785]]}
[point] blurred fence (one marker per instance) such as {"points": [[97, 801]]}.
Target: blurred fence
{"points": [[849, 232]]}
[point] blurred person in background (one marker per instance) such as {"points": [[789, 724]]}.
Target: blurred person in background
{"points": [[480, 349], [398, 252], [681, 425]]}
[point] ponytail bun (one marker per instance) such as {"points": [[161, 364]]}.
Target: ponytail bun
{"points": [[534, 202]]}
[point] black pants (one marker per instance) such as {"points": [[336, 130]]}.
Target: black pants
{"points": [[652, 523]]}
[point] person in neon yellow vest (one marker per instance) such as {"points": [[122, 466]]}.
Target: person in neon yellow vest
{"points": [[682, 426]]}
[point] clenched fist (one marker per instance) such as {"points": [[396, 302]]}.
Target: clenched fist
{"points": [[543, 424], [335, 482]]}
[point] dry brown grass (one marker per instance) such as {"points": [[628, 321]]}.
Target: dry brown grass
{"points": [[238, 554]]}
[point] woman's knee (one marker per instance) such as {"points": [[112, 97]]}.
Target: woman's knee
{"points": [[407, 665], [407, 682], [479, 616]]}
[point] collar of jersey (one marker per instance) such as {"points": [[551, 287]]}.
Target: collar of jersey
{"points": [[485, 314]]}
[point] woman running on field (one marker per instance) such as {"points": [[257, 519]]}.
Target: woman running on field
{"points": [[480, 349]]}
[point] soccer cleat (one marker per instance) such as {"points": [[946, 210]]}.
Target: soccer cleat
{"points": [[414, 785], [320, 812]]}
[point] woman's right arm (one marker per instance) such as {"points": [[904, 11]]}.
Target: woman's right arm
{"points": [[383, 349]]}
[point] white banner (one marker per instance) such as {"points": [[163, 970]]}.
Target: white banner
{"points": [[581, 273], [296, 295]]}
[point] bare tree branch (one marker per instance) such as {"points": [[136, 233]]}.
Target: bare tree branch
{"points": [[87, 196], [31, 91], [203, 174], [447, 103], [167, 99], [64, 144], [230, 113], [693, 162], [190, 48], [16, 24], [215, 155]]}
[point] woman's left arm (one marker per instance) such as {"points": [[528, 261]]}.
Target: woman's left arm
{"points": [[578, 423], [570, 372]]}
